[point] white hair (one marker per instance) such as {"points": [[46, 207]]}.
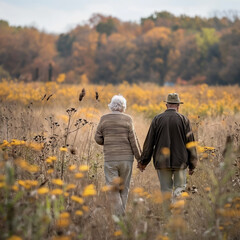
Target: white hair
{"points": [[118, 103]]}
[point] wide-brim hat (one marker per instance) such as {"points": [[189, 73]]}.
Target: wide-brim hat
{"points": [[173, 98]]}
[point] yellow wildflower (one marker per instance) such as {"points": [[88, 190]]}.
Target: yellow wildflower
{"points": [[32, 168], [149, 196], [70, 186], [106, 188], [192, 144], [79, 175], [209, 148], [61, 77], [161, 237], [83, 168], [77, 199], [184, 195], [141, 192], [27, 184], [21, 163], [48, 160], [21, 183], [16, 142], [32, 182], [50, 171], [117, 233], [66, 194], [64, 215], [57, 191], [207, 189], [89, 190], [4, 144], [165, 151], [57, 181], [26, 166], [72, 167], [15, 188], [178, 204], [79, 212], [227, 205], [138, 190], [2, 184], [200, 149], [35, 146], [43, 190], [159, 197], [63, 222], [117, 180], [51, 159], [63, 149], [85, 208]]}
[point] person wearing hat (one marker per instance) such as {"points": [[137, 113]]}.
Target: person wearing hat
{"points": [[166, 140]]}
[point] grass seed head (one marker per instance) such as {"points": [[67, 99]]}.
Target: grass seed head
{"points": [[82, 95]]}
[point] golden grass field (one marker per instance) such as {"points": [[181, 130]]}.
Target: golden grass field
{"points": [[51, 170]]}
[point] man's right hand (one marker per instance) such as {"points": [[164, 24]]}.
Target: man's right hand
{"points": [[141, 167]]}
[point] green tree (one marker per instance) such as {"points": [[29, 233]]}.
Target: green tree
{"points": [[107, 27], [64, 44], [206, 39]]}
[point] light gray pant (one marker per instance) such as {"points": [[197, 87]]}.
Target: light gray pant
{"points": [[173, 181], [118, 198]]}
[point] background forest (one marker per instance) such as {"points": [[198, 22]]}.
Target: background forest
{"points": [[162, 48]]}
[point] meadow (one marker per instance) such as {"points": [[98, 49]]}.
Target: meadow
{"points": [[51, 170]]}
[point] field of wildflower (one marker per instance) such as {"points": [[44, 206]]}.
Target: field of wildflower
{"points": [[51, 170]]}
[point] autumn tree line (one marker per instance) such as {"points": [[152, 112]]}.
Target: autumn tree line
{"points": [[162, 48]]}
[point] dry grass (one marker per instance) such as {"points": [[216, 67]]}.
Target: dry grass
{"points": [[48, 208]]}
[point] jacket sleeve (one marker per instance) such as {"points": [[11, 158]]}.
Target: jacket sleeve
{"points": [[134, 141], [192, 152], [99, 134], [149, 144]]}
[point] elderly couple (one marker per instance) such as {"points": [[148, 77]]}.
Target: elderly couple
{"points": [[166, 140]]}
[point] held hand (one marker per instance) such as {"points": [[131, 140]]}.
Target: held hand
{"points": [[190, 171], [141, 167]]}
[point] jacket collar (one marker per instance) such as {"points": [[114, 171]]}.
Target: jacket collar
{"points": [[171, 110]]}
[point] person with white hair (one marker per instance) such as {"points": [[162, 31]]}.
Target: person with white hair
{"points": [[116, 133]]}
